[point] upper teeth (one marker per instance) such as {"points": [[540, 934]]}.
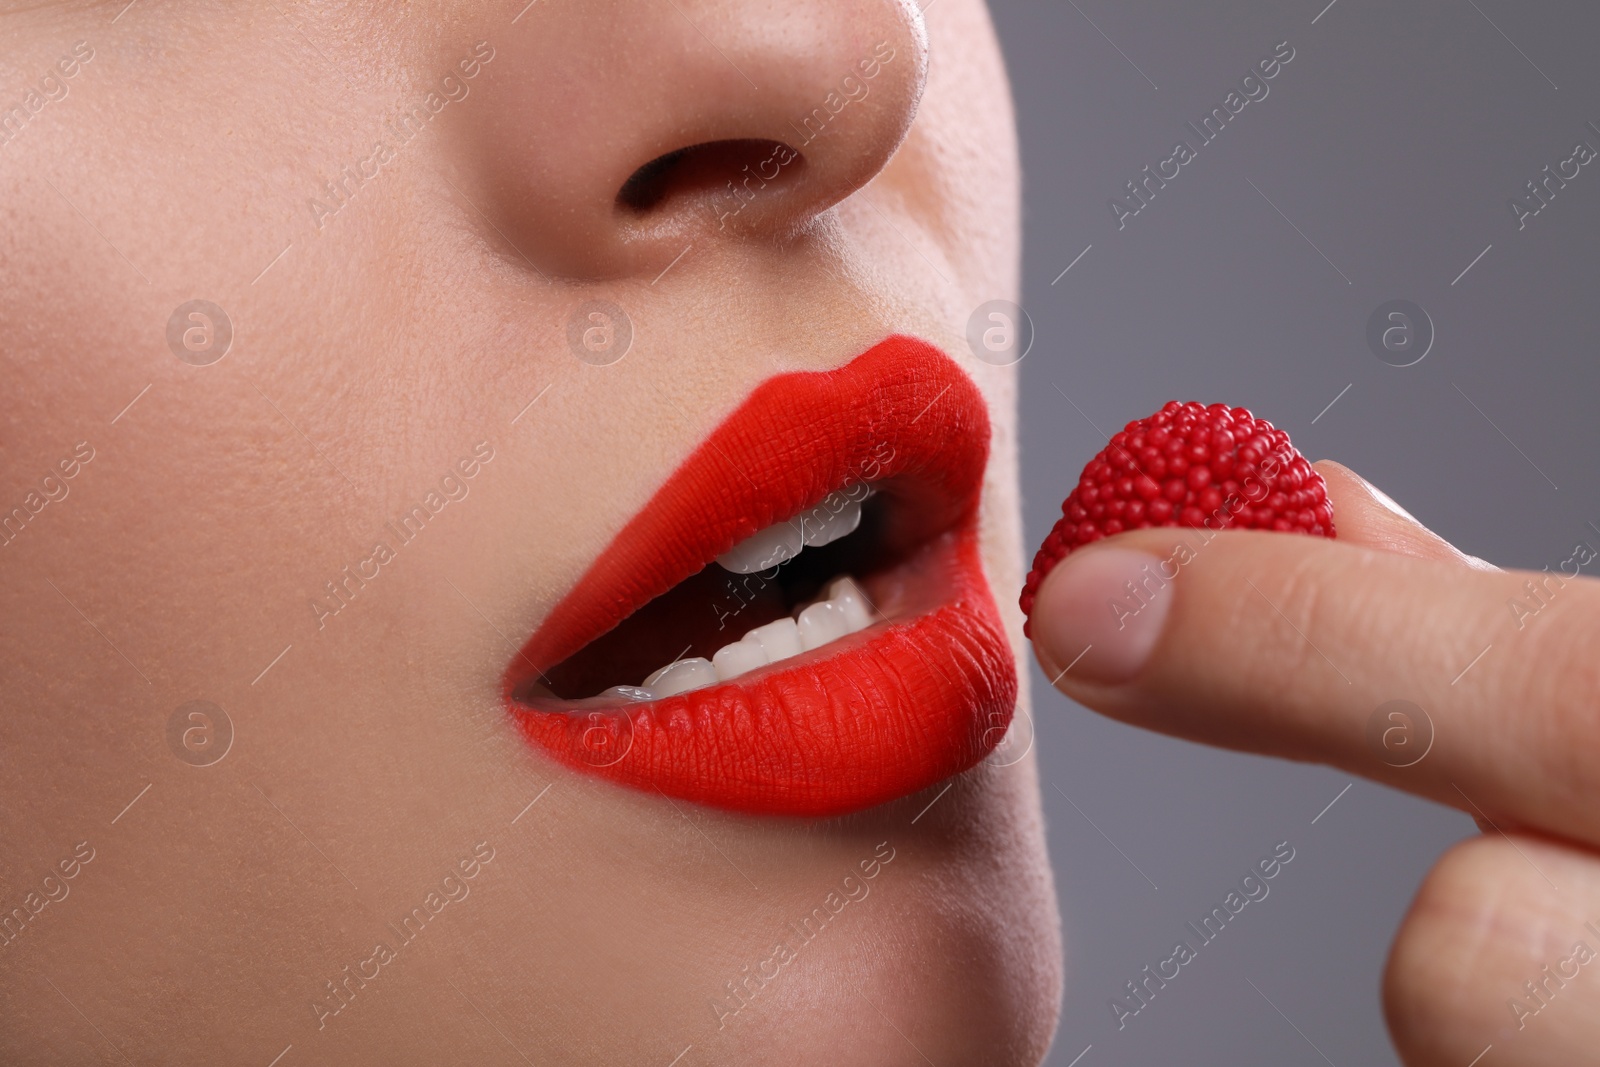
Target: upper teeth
{"points": [[837, 515], [844, 611]]}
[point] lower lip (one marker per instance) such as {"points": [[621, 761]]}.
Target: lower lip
{"points": [[867, 719]]}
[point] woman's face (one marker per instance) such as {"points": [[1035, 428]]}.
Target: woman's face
{"points": [[263, 790]]}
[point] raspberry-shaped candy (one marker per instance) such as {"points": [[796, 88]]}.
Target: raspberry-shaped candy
{"points": [[1211, 467]]}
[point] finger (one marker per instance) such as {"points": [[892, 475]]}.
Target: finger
{"points": [[1294, 646], [1500, 951], [1366, 515]]}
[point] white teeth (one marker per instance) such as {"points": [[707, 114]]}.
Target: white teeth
{"points": [[852, 603], [616, 696], [838, 514], [842, 612], [776, 544], [634, 693], [739, 657], [843, 609], [681, 676], [823, 527], [779, 639], [820, 623]]}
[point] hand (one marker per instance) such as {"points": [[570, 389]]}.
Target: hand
{"points": [[1287, 645]]}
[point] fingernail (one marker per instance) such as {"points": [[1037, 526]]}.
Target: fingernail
{"points": [[1099, 614]]}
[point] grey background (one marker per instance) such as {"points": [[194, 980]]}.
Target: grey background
{"points": [[1393, 141]]}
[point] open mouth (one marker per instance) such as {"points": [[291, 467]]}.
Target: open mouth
{"points": [[797, 623], [784, 591]]}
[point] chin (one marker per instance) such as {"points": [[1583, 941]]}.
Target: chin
{"points": [[953, 957]]}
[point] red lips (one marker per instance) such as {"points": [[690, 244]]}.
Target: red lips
{"points": [[882, 713]]}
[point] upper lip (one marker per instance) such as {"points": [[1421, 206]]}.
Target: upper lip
{"points": [[902, 416]]}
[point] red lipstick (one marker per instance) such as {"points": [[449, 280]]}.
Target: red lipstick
{"points": [[926, 691]]}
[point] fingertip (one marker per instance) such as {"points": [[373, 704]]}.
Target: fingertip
{"points": [[1345, 482], [1365, 515]]}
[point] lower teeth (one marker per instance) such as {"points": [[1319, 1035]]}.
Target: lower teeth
{"points": [[845, 610]]}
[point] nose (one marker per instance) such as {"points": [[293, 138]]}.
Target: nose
{"points": [[612, 133]]}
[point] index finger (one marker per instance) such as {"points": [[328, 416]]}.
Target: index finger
{"points": [[1299, 647]]}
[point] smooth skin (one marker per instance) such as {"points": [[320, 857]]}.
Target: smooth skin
{"points": [[376, 346], [1389, 611]]}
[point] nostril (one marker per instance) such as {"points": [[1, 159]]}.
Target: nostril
{"points": [[738, 168]]}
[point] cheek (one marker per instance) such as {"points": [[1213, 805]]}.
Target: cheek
{"points": [[303, 454], [967, 103]]}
